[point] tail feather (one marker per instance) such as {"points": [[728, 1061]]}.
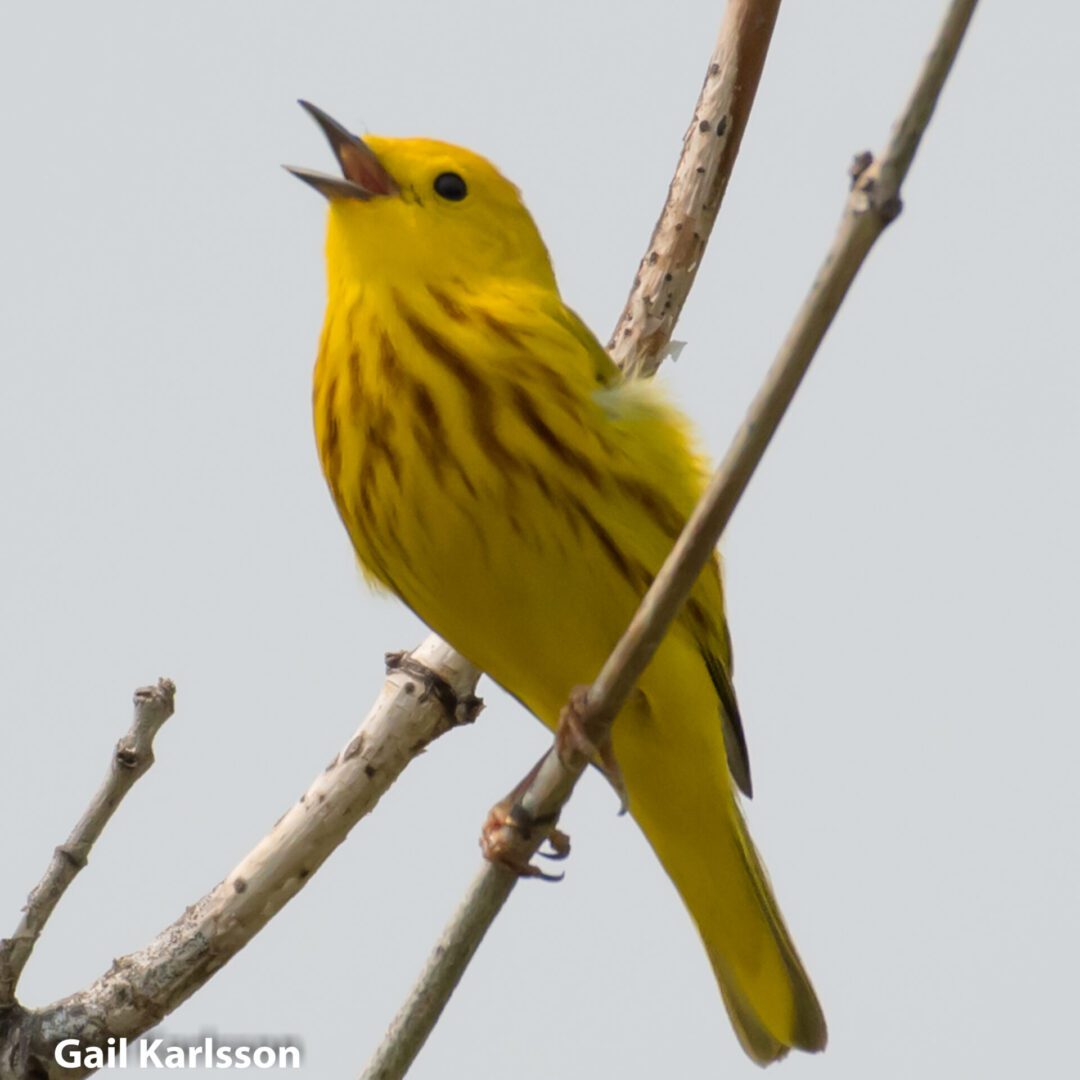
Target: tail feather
{"points": [[756, 1041], [802, 1023], [683, 800]]}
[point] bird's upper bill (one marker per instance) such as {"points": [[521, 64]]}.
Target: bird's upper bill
{"points": [[363, 176]]}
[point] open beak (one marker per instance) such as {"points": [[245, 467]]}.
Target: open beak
{"points": [[363, 175]]}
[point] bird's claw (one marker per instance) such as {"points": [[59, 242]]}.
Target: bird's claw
{"points": [[559, 844], [572, 737], [506, 835]]}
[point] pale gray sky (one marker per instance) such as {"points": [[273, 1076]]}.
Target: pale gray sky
{"points": [[902, 573]]}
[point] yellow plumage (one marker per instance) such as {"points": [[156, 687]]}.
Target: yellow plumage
{"points": [[495, 473]]}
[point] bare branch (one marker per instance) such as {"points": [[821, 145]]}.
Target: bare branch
{"points": [[133, 756], [710, 147], [873, 204], [426, 693]]}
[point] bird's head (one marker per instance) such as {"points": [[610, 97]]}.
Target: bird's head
{"points": [[405, 209]]}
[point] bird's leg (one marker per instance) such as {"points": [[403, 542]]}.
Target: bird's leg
{"points": [[574, 737], [509, 828]]}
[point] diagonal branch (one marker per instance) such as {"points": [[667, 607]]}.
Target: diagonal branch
{"points": [[874, 203], [427, 692], [133, 756], [710, 147]]}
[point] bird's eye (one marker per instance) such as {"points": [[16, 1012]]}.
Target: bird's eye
{"points": [[451, 186]]}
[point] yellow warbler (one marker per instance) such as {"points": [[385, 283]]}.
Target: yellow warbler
{"points": [[495, 472]]}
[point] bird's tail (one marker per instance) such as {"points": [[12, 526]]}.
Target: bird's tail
{"points": [[689, 813], [768, 994]]}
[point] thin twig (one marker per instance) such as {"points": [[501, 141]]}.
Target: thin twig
{"points": [[874, 202], [133, 756], [710, 147], [426, 693]]}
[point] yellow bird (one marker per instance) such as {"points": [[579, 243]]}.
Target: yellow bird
{"points": [[496, 473]]}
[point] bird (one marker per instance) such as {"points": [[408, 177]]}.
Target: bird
{"points": [[495, 472]]}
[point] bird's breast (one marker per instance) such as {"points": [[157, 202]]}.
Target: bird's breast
{"points": [[441, 437]]}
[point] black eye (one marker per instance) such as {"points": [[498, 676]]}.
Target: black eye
{"points": [[451, 186]]}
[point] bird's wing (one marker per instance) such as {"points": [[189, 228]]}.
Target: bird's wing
{"points": [[658, 476]]}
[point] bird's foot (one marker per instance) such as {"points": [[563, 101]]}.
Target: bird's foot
{"points": [[573, 737], [509, 831]]}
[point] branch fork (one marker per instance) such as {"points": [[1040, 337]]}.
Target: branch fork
{"points": [[133, 756], [142, 988]]}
